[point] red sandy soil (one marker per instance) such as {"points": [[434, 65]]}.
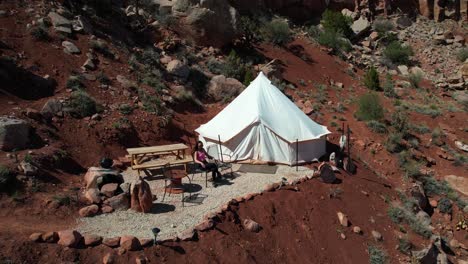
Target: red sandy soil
{"points": [[297, 226]]}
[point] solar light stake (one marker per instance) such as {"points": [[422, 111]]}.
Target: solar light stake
{"points": [[155, 234], [297, 154]]}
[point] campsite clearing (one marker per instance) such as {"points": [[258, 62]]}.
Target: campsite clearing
{"points": [[170, 216]]}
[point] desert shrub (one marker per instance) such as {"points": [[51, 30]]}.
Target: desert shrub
{"points": [[151, 103], [420, 129], [234, 67], [371, 79], [249, 27], [382, 26], [199, 82], [248, 77], [75, 82], [6, 177], [377, 255], [387, 38], [419, 228], [40, 33], [400, 121], [377, 127], [102, 48], [337, 22], [462, 54], [125, 109], [397, 53], [459, 159], [444, 205], [412, 169], [62, 200], [215, 66], [313, 31], [415, 78], [430, 110], [404, 246], [436, 136], [28, 158], [393, 143], [396, 214], [82, 104], [389, 87], [434, 187], [369, 107], [102, 8], [334, 40], [154, 81], [149, 58], [276, 31], [103, 79]]}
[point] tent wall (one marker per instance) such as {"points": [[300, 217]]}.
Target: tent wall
{"points": [[259, 143]]}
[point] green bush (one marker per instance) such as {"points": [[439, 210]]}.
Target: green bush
{"points": [[377, 255], [75, 82], [397, 53], [434, 187], [369, 107], [125, 109], [400, 121], [276, 31], [444, 205], [382, 26], [149, 58], [396, 214], [371, 79], [420, 129], [393, 143], [102, 48], [40, 33], [248, 77], [415, 78], [436, 136], [215, 66], [404, 246], [151, 103], [333, 40], [462, 54], [234, 67], [82, 104], [377, 126], [199, 82], [6, 177], [337, 22], [389, 87], [249, 27]]}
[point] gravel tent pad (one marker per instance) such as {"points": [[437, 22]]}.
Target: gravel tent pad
{"points": [[170, 216]]}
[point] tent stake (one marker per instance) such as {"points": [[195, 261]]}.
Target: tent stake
{"points": [[297, 154], [220, 149]]}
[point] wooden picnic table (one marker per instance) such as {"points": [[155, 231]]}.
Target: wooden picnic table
{"points": [[177, 150]]}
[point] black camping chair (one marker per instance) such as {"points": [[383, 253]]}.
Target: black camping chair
{"points": [[196, 169], [326, 174]]}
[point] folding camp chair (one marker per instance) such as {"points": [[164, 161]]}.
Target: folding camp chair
{"points": [[195, 169]]}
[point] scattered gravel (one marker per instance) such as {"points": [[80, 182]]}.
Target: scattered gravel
{"points": [[170, 216]]}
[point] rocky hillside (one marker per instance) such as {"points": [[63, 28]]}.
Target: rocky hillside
{"points": [[84, 79]]}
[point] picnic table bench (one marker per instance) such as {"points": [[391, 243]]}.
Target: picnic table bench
{"points": [[176, 150]]}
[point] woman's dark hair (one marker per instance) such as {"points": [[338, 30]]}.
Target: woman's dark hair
{"points": [[196, 146], [106, 163]]}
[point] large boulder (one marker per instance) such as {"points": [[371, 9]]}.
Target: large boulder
{"points": [[360, 26], [221, 87], [92, 240], [417, 192], [58, 20], [141, 197], [14, 133], [251, 225], [119, 202], [458, 183], [434, 253], [178, 68], [130, 243], [97, 177], [69, 238], [89, 211], [209, 22], [70, 48], [51, 108]]}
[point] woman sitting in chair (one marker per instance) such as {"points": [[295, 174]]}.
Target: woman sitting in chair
{"points": [[201, 157]]}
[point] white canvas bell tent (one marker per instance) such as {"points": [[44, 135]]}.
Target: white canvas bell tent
{"points": [[263, 124]]}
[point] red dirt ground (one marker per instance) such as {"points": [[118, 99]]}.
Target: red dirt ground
{"points": [[297, 226]]}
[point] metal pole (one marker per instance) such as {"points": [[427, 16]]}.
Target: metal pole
{"points": [[297, 154], [220, 149]]}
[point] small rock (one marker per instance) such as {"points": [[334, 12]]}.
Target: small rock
{"points": [[107, 209], [69, 238], [205, 225], [251, 225], [50, 237], [35, 237], [403, 69], [357, 230], [92, 240], [28, 168], [130, 243], [111, 242], [343, 219], [144, 242], [188, 235], [119, 202], [376, 235], [461, 146], [433, 203], [454, 244], [343, 236], [89, 211], [70, 48]]}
